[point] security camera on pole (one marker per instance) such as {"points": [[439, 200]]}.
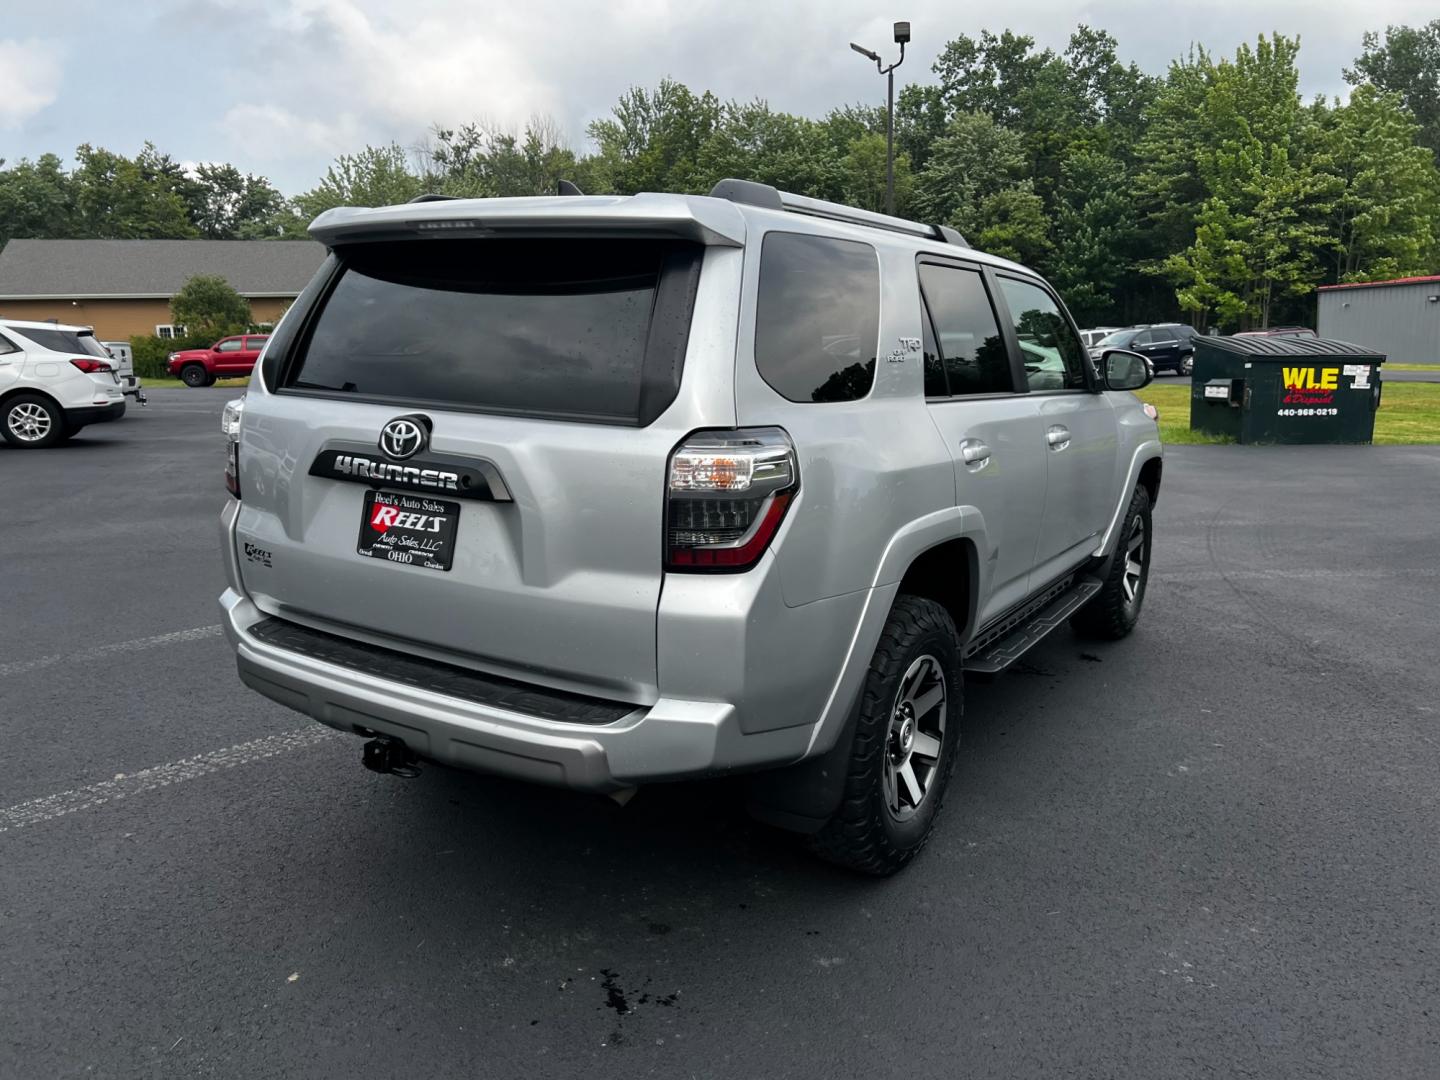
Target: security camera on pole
{"points": [[902, 36]]}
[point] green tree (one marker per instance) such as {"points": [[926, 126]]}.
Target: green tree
{"points": [[1169, 187], [475, 161], [653, 141], [973, 160], [1406, 62], [862, 171], [225, 204], [375, 176], [117, 198], [1260, 228], [1096, 235], [1013, 224], [36, 199], [755, 142], [991, 75], [206, 305], [1383, 219]]}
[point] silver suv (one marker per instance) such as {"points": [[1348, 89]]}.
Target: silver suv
{"points": [[598, 491]]}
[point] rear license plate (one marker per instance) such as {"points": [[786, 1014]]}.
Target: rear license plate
{"points": [[409, 529]]}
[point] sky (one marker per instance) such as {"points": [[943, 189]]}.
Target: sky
{"points": [[280, 88]]}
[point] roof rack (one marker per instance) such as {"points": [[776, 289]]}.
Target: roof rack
{"points": [[771, 198]]}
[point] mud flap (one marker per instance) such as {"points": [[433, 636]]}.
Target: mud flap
{"points": [[801, 798]]}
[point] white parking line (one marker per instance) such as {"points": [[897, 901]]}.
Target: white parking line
{"points": [[49, 807], [19, 667]]}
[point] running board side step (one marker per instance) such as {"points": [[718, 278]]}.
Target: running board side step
{"points": [[994, 652]]}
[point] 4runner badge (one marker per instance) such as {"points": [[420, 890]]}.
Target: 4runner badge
{"points": [[403, 437]]}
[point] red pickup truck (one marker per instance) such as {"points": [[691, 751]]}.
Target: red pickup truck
{"points": [[226, 359]]}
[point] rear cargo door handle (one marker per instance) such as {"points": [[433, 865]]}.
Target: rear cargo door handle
{"points": [[975, 454], [1058, 436]]}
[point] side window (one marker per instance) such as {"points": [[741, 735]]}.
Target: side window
{"points": [[7, 346], [1054, 358], [1144, 337], [972, 350], [255, 344], [817, 318], [230, 345]]}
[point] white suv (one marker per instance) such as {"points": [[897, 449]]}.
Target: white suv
{"points": [[54, 380]]}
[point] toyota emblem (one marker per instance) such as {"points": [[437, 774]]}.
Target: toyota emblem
{"points": [[403, 437]]}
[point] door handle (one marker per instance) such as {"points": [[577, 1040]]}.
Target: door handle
{"points": [[1058, 436], [975, 454]]}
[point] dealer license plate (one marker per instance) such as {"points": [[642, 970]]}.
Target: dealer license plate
{"points": [[410, 529]]}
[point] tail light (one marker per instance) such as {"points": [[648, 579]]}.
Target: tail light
{"points": [[91, 367], [230, 426], [726, 495]]}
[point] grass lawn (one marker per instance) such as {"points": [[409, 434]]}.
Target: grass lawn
{"points": [[171, 384], [1409, 413], [1410, 367]]}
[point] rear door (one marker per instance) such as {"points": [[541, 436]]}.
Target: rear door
{"points": [[1165, 346], [12, 363], [1077, 427], [1144, 344], [527, 390], [254, 346], [992, 428]]}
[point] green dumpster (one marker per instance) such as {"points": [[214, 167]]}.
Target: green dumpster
{"points": [[1285, 390]]}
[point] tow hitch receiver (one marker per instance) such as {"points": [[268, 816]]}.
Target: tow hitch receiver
{"points": [[387, 755]]}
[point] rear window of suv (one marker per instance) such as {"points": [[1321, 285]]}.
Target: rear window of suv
{"points": [[66, 341], [571, 329]]}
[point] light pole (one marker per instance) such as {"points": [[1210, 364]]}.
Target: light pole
{"points": [[902, 35]]}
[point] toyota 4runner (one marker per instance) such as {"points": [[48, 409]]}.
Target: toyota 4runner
{"points": [[600, 491]]}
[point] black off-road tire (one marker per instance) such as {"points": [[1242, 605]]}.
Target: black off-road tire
{"points": [[1114, 612], [864, 834], [195, 375]]}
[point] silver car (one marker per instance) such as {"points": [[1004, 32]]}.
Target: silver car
{"points": [[603, 491]]}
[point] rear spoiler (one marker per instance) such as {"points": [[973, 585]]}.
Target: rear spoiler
{"points": [[709, 221]]}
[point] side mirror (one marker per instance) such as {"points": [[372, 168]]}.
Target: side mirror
{"points": [[1125, 370]]}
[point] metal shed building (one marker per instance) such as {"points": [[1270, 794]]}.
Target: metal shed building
{"points": [[1399, 318]]}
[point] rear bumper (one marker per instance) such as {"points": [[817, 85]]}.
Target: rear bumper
{"points": [[672, 739], [96, 414]]}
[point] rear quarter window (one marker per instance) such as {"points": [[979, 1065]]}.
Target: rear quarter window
{"points": [[817, 317]]}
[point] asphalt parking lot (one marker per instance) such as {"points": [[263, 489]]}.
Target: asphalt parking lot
{"points": [[1208, 850]]}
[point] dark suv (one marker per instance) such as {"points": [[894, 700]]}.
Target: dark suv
{"points": [[1168, 346]]}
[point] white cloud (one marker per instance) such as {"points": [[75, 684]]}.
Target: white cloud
{"points": [[29, 78], [333, 68], [275, 133]]}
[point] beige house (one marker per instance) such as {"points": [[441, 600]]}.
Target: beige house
{"points": [[123, 287]]}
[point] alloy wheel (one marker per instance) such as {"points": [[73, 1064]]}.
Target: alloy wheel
{"points": [[29, 422], [916, 737], [1136, 556]]}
